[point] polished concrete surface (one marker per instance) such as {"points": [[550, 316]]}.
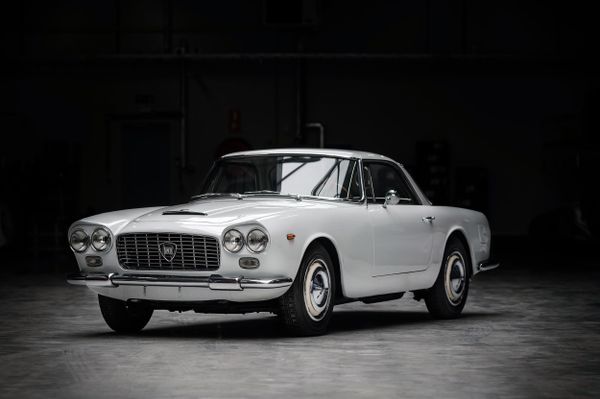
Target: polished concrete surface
{"points": [[523, 334]]}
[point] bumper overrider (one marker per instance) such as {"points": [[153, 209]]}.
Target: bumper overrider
{"points": [[214, 282]]}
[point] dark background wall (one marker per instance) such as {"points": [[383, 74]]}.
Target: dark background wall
{"points": [[105, 105]]}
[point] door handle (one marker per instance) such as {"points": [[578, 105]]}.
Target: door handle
{"points": [[428, 219]]}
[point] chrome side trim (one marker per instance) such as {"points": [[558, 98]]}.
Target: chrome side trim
{"points": [[487, 265], [214, 282]]}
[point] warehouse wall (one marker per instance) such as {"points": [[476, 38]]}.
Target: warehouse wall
{"points": [[509, 87]]}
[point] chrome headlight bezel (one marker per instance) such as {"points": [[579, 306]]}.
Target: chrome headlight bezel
{"points": [[102, 247], [251, 239], [239, 242], [83, 237]]}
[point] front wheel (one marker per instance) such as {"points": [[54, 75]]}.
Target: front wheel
{"points": [[123, 317], [447, 298], [308, 305]]}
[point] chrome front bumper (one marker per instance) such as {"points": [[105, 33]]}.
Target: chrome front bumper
{"points": [[213, 282]]}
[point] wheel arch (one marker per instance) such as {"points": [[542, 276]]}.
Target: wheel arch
{"points": [[461, 235], [330, 247]]}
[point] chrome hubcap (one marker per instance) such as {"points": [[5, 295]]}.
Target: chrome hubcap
{"points": [[317, 289], [455, 277]]}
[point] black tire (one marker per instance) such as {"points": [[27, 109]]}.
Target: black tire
{"points": [[447, 298], [123, 317], [319, 297]]}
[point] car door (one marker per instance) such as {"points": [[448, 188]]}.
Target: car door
{"points": [[402, 233]]}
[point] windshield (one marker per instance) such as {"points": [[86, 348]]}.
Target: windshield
{"points": [[305, 175]]}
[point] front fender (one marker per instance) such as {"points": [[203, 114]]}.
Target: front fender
{"points": [[115, 221]]}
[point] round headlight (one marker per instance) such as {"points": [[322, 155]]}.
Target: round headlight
{"points": [[79, 240], [233, 240], [101, 239], [257, 240]]}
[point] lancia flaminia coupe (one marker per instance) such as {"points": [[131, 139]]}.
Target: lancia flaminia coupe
{"points": [[289, 231]]}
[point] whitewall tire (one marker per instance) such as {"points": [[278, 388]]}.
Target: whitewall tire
{"points": [[308, 305]]}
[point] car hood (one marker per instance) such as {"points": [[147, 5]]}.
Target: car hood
{"points": [[211, 215], [223, 211]]}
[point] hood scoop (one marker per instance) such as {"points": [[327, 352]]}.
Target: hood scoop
{"points": [[184, 212]]}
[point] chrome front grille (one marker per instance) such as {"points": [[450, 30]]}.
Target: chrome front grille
{"points": [[140, 251]]}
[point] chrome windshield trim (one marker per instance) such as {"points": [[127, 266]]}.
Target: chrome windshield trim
{"points": [[289, 154], [363, 191]]}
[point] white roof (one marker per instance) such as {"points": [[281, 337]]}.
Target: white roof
{"points": [[311, 151]]}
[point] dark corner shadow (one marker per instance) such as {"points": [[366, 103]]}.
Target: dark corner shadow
{"points": [[270, 327]]}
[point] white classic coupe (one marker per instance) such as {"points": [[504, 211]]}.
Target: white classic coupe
{"points": [[287, 231]]}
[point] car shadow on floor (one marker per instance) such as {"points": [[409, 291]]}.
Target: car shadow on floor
{"points": [[343, 321], [270, 327]]}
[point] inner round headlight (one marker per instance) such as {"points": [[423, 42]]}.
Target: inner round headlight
{"points": [[257, 240], [233, 240], [79, 240], [101, 239]]}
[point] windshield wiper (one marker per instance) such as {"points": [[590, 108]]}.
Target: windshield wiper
{"points": [[210, 195], [297, 197]]}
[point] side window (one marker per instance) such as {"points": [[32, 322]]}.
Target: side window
{"points": [[386, 177]]}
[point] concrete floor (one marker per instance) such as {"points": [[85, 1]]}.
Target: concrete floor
{"points": [[523, 334]]}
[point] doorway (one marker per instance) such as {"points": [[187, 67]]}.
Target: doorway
{"points": [[146, 164]]}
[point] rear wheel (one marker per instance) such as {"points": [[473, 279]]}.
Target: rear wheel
{"points": [[123, 317], [308, 305], [447, 298]]}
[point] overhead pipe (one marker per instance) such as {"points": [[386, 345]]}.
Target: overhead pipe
{"points": [[321, 128]]}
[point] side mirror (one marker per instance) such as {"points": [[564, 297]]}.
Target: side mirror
{"points": [[391, 198]]}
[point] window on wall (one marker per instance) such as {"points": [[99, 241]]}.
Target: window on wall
{"points": [[381, 177]]}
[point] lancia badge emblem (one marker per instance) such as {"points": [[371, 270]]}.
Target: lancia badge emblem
{"points": [[167, 250]]}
